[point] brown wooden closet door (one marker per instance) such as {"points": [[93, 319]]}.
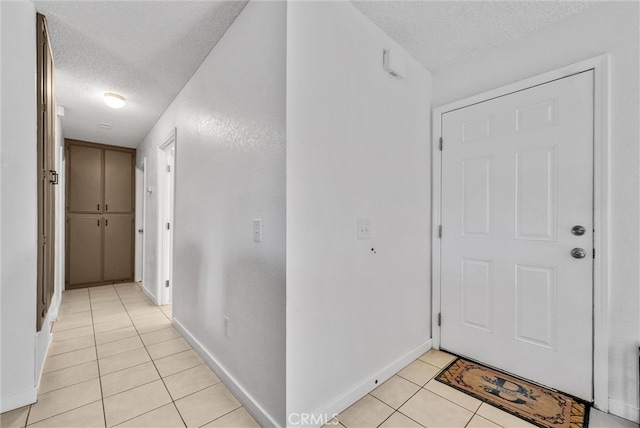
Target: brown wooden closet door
{"points": [[118, 181], [118, 247], [85, 249], [85, 179], [47, 176]]}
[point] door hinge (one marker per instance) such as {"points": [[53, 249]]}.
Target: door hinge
{"points": [[168, 168], [44, 107], [168, 226], [440, 231], [166, 283], [439, 319], [440, 146], [594, 253]]}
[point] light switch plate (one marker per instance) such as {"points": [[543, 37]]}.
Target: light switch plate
{"points": [[364, 228]]}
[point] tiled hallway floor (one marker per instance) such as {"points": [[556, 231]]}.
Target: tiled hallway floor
{"points": [[116, 360], [414, 399]]}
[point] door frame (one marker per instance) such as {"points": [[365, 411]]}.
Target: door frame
{"points": [[141, 185], [162, 297], [601, 204]]}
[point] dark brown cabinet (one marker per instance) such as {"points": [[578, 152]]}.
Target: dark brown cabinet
{"points": [[85, 249], [118, 247], [100, 214], [118, 182], [85, 179]]}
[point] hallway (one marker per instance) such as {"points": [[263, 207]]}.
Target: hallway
{"points": [[115, 358]]}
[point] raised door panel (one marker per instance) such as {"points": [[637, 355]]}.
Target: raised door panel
{"points": [[85, 249], [118, 248], [118, 181], [85, 179]]}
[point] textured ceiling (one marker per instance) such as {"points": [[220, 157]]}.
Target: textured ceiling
{"points": [[147, 50], [440, 33], [143, 50]]}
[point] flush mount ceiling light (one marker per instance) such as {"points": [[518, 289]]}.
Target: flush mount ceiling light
{"points": [[113, 100]]}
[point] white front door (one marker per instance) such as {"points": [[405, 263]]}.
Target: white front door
{"points": [[517, 184]]}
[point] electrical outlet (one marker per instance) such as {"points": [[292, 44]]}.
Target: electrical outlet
{"points": [[227, 327], [364, 228], [257, 230]]}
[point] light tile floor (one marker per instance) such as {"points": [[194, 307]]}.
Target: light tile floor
{"points": [[413, 398], [116, 360]]}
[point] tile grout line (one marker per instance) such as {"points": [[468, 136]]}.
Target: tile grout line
{"points": [[155, 367], [222, 416], [421, 387], [165, 385], [71, 366], [73, 350], [59, 414], [145, 346], [28, 414], [154, 364], [62, 413], [104, 413], [398, 409]]}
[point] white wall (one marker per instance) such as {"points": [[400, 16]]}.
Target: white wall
{"points": [[609, 27], [357, 147], [18, 244], [23, 349], [60, 219], [230, 169]]}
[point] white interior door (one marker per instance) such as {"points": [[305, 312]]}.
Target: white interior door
{"points": [[517, 177]]}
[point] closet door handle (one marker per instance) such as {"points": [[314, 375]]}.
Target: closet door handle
{"points": [[106, 207], [98, 222], [98, 207], [106, 222], [55, 177]]}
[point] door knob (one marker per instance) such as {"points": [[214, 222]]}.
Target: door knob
{"points": [[578, 230], [578, 253]]}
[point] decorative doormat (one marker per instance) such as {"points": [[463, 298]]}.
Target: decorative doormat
{"points": [[536, 404]]}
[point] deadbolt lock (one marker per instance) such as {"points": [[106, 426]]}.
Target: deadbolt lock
{"points": [[578, 230]]}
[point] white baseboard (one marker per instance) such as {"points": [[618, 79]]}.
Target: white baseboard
{"points": [[256, 410], [149, 295], [54, 307], [16, 401], [624, 411], [369, 385]]}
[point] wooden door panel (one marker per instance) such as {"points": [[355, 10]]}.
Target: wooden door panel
{"points": [[46, 167], [85, 179], [118, 181], [118, 247], [85, 249]]}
